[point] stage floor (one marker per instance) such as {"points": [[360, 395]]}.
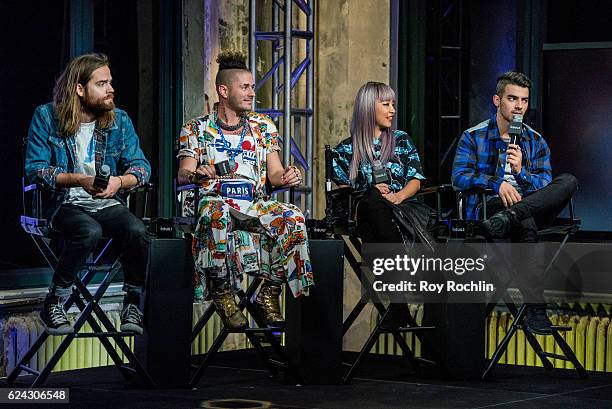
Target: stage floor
{"points": [[237, 380]]}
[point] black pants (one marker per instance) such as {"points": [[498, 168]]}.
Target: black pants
{"points": [[376, 222], [80, 232], [536, 211]]}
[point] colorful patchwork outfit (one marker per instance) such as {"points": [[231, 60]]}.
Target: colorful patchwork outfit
{"points": [[239, 203]]}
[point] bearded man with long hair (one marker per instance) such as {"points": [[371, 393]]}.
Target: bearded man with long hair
{"points": [[69, 140]]}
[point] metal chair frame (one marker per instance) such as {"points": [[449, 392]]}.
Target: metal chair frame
{"points": [[88, 304], [255, 334], [562, 227], [358, 268]]}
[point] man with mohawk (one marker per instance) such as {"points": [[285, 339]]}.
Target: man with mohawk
{"points": [[232, 153]]}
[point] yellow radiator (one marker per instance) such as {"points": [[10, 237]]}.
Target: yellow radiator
{"points": [[19, 331], [386, 345], [590, 338]]}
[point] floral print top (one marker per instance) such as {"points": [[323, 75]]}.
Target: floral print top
{"points": [[401, 169], [200, 138]]}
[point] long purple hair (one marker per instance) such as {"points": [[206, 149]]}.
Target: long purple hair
{"points": [[363, 126]]}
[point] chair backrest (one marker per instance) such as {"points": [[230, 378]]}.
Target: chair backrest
{"points": [[340, 203], [31, 219]]}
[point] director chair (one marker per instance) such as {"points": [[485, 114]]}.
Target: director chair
{"points": [[340, 218], [258, 332], [102, 261], [559, 231]]}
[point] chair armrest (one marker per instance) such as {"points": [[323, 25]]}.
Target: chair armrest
{"points": [[435, 189], [184, 188], [340, 189], [32, 187], [31, 198], [438, 190], [32, 225], [560, 225], [145, 187], [461, 194], [475, 190]]}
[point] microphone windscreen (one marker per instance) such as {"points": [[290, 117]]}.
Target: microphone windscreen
{"points": [[514, 129], [104, 170]]}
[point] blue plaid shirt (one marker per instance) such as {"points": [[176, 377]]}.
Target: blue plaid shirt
{"points": [[481, 157]]}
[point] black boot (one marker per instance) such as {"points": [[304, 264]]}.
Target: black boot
{"points": [[501, 224], [227, 308], [537, 320]]}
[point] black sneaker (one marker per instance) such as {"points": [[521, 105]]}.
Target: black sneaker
{"points": [[131, 319], [537, 320], [54, 318], [500, 224]]}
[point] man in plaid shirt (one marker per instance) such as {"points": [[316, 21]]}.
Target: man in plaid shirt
{"points": [[526, 196]]}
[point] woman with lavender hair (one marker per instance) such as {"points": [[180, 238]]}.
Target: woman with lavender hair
{"points": [[384, 165], [374, 152]]}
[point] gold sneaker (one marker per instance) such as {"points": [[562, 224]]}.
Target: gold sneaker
{"points": [[228, 310], [269, 306]]}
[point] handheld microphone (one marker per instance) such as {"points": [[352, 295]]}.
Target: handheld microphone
{"points": [[514, 129], [223, 168], [102, 176], [328, 168], [379, 174]]}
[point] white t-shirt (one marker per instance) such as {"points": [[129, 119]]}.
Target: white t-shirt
{"points": [[85, 162]]}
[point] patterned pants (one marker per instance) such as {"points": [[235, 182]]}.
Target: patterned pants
{"points": [[280, 253]]}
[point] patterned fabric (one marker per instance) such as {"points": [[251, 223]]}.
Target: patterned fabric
{"points": [[282, 251], [200, 139], [481, 157], [404, 167]]}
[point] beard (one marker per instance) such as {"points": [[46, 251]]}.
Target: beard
{"points": [[238, 105], [98, 105]]}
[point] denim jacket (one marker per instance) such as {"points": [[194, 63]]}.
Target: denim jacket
{"points": [[48, 153]]}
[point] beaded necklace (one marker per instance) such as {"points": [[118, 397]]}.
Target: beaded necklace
{"points": [[231, 152]]}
